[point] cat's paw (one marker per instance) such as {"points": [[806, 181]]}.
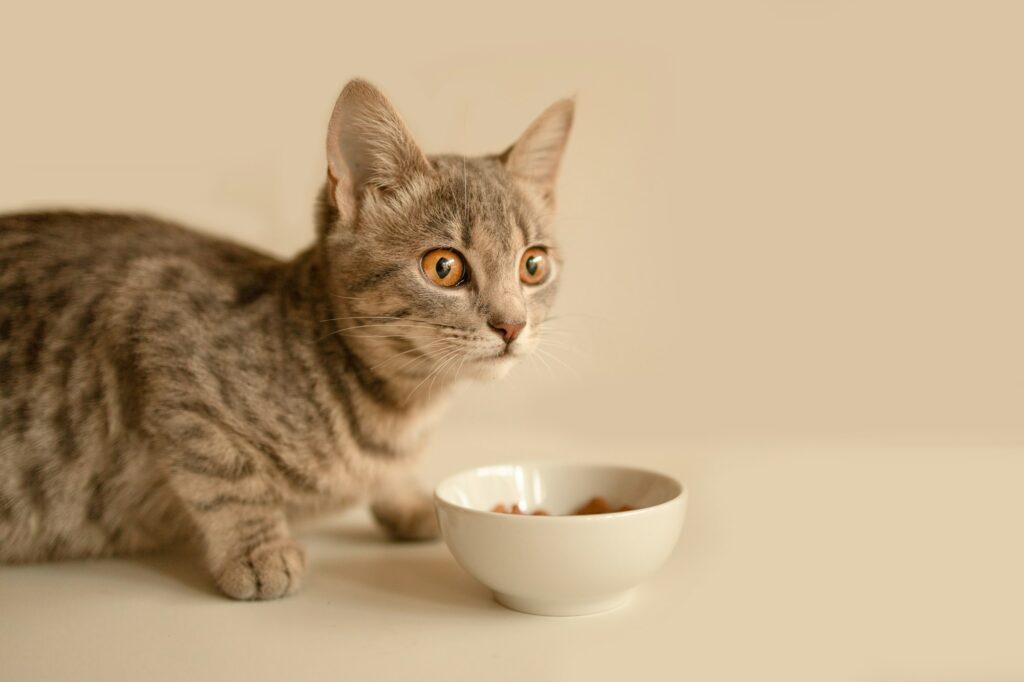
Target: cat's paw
{"points": [[267, 572], [408, 521]]}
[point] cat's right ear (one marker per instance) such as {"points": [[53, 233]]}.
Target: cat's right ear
{"points": [[369, 148]]}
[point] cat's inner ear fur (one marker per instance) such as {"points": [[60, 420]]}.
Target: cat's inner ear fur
{"points": [[537, 154], [369, 148]]}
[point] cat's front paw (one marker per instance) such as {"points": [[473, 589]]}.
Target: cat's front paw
{"points": [[408, 521], [267, 572]]}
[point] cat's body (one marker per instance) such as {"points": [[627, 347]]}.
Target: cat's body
{"points": [[157, 384], [144, 337]]}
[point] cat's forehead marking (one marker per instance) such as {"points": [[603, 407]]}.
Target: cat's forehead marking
{"points": [[484, 202]]}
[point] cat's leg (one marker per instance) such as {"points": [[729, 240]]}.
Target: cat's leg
{"points": [[239, 518], [251, 553], [404, 509]]}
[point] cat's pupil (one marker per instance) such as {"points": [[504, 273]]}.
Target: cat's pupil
{"points": [[443, 267], [532, 263]]}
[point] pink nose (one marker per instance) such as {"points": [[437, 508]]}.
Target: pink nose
{"points": [[508, 330]]}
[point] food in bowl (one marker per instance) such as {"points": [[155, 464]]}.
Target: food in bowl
{"points": [[562, 564], [595, 505]]}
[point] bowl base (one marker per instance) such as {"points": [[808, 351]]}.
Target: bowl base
{"points": [[576, 607]]}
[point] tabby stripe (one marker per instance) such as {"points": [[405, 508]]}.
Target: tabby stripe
{"points": [[35, 347], [371, 384], [221, 501], [6, 507], [67, 443], [292, 359], [341, 392], [376, 279], [23, 417], [258, 537], [195, 463], [295, 477], [97, 501], [34, 487], [6, 389]]}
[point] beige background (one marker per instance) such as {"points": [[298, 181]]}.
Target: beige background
{"points": [[794, 233]]}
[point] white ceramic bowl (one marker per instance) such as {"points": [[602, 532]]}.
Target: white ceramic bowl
{"points": [[560, 565]]}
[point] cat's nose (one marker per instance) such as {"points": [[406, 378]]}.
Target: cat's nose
{"points": [[508, 330]]}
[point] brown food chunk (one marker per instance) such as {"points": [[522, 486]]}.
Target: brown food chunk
{"points": [[596, 505]]}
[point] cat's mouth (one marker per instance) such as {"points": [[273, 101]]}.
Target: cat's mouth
{"points": [[507, 353]]}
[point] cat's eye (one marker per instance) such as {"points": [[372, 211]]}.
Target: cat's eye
{"points": [[444, 267], [533, 268]]}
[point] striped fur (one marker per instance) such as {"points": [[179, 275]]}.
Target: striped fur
{"points": [[158, 385]]}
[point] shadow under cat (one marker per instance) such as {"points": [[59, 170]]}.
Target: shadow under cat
{"points": [[401, 576]]}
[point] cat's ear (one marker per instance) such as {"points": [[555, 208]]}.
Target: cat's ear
{"points": [[368, 147], [537, 153]]}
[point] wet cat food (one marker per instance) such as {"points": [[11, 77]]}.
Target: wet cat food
{"points": [[595, 505]]}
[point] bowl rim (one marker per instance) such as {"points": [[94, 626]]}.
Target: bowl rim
{"points": [[680, 495]]}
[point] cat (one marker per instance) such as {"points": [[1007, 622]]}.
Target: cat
{"points": [[159, 385]]}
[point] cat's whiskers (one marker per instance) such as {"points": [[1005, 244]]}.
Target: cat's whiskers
{"points": [[541, 361], [566, 316], [345, 331], [374, 324], [458, 371], [429, 356], [446, 359], [411, 320], [561, 345], [349, 298], [411, 350], [557, 359], [379, 337]]}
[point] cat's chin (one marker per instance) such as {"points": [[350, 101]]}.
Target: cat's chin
{"points": [[490, 369]]}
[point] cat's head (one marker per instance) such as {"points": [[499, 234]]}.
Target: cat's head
{"points": [[439, 263]]}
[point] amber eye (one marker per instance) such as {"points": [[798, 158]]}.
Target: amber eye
{"points": [[444, 267], [533, 268]]}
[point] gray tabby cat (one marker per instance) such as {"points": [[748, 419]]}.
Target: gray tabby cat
{"points": [[160, 385]]}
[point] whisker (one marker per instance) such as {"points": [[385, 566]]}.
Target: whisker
{"points": [[544, 363], [558, 360], [404, 352], [375, 324], [447, 358], [432, 355], [564, 316], [381, 336], [412, 320], [554, 343], [458, 373], [430, 388], [350, 298]]}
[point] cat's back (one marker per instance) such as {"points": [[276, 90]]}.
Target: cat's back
{"points": [[54, 262], [50, 244], [66, 276]]}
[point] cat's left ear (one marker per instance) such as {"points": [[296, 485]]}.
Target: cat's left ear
{"points": [[369, 149], [537, 154]]}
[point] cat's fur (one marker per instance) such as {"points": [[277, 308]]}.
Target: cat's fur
{"points": [[158, 384]]}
